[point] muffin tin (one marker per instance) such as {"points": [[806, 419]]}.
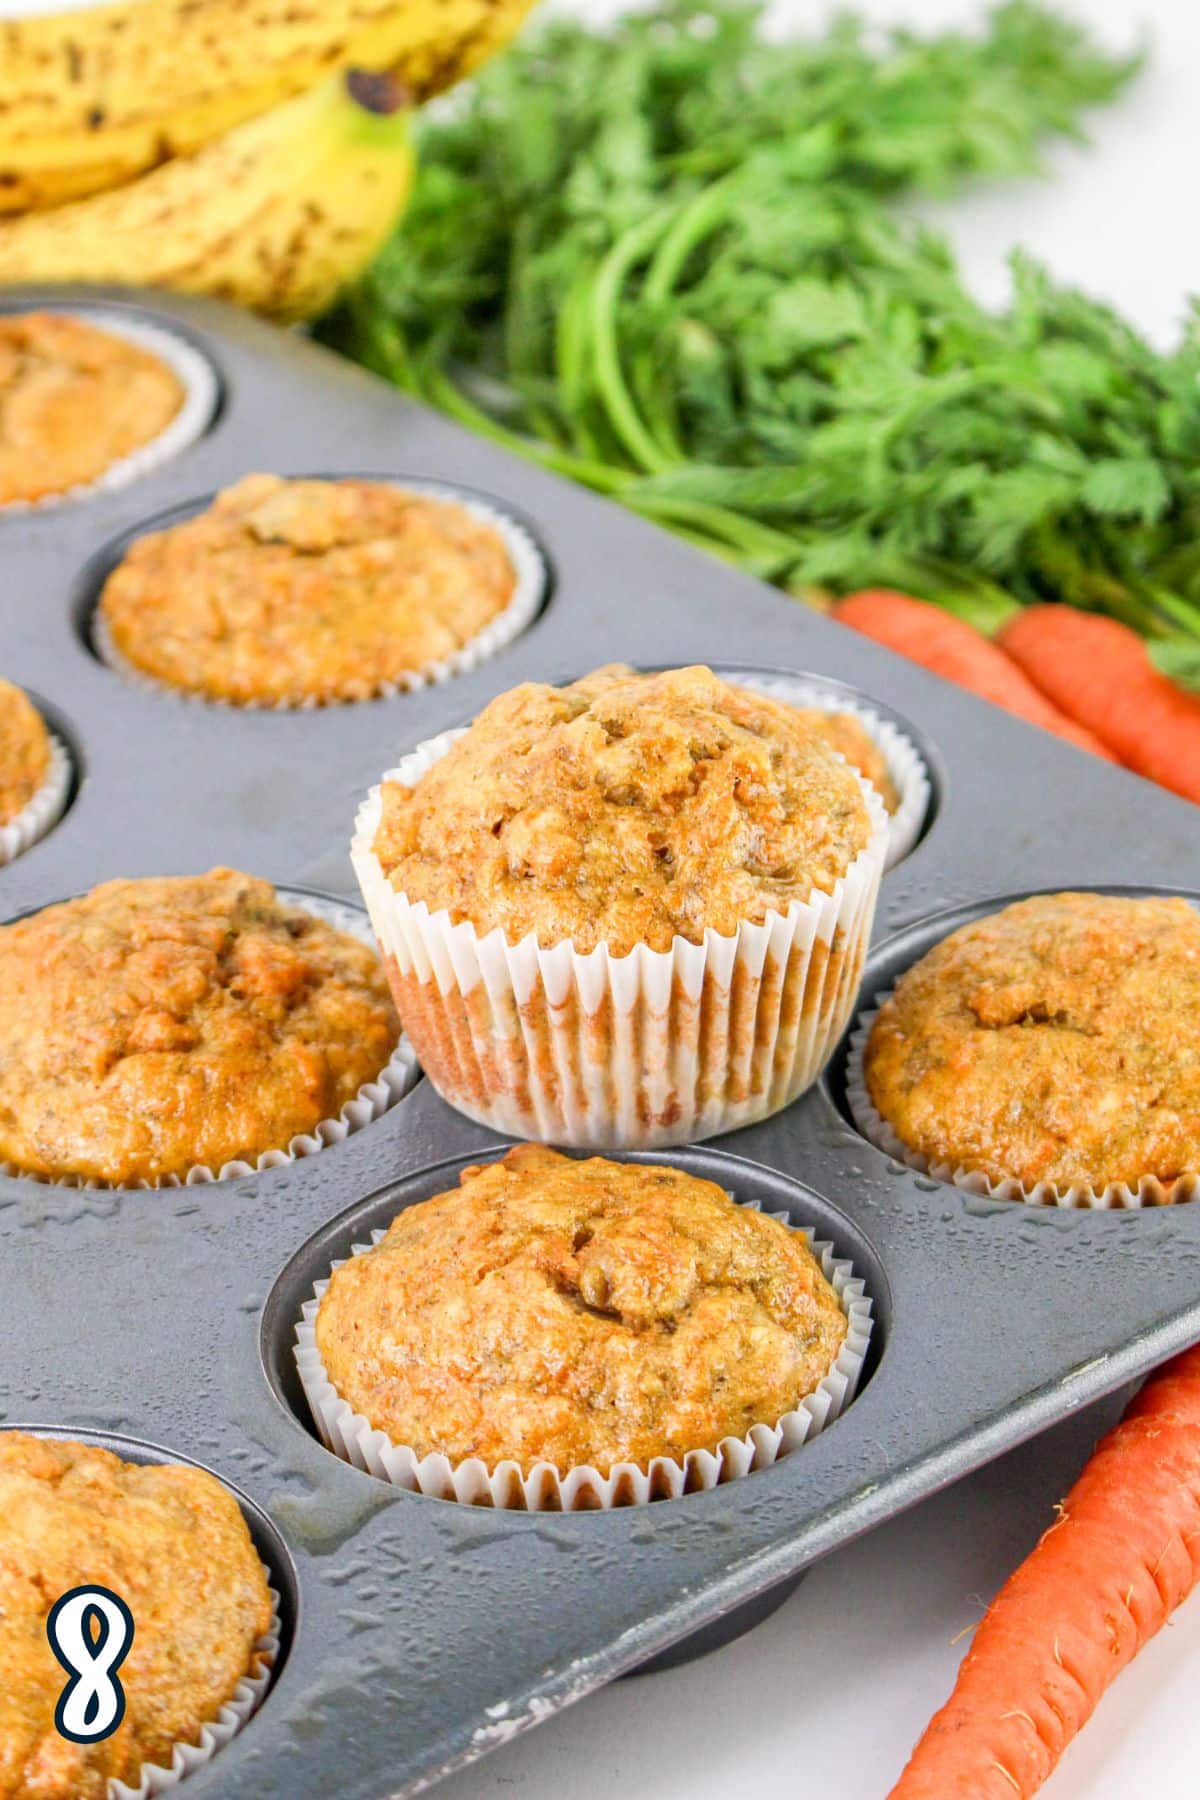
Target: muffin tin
{"points": [[419, 1633]]}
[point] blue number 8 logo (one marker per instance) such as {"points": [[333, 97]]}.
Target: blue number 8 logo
{"points": [[90, 1631]]}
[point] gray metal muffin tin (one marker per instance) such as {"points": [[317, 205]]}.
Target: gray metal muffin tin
{"points": [[420, 1633]]}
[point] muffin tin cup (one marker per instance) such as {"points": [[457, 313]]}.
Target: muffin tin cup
{"points": [[905, 764], [201, 397], [44, 810], [622, 1052], [372, 1100], [1118, 1195], [583, 1488], [245, 1700], [532, 580]]}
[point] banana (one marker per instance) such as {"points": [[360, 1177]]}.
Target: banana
{"points": [[278, 214], [91, 98]]}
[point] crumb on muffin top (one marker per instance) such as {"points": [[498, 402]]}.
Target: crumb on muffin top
{"points": [[1053, 1041], [24, 751], [74, 399], [625, 809], [172, 1542], [578, 1312], [152, 1025], [286, 591]]}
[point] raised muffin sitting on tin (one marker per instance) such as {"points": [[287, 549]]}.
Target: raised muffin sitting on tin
{"points": [[578, 1313], [171, 1542], [305, 592], [632, 910], [154, 1026], [1052, 1044], [74, 399]]}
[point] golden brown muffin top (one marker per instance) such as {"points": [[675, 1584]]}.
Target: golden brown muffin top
{"points": [[287, 591], [172, 1542], [625, 809], [847, 734], [152, 1025], [1054, 1041], [578, 1312], [24, 751], [74, 399]]}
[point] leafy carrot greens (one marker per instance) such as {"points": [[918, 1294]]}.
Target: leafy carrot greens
{"points": [[665, 259]]}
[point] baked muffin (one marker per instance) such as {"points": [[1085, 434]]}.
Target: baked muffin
{"points": [[287, 592], [1051, 1042], [153, 1025], [577, 1313], [625, 809], [74, 399], [630, 912], [172, 1542], [845, 733], [24, 751]]}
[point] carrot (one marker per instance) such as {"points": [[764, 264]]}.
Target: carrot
{"points": [[1098, 671], [949, 647], [1122, 1554]]}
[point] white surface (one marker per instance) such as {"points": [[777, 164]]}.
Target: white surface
{"points": [[829, 1695]]}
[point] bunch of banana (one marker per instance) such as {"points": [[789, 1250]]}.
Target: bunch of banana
{"points": [[278, 214], [221, 146], [91, 97]]}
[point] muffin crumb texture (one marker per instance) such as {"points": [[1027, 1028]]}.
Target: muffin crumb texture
{"points": [[24, 751], [172, 1542], [154, 1025], [1054, 1041], [578, 1312], [625, 809], [74, 399], [847, 734], [294, 592]]}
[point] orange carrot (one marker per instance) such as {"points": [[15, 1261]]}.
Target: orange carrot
{"points": [[1122, 1554], [949, 647], [1098, 671]]}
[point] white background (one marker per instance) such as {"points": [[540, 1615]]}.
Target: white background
{"points": [[828, 1696]]}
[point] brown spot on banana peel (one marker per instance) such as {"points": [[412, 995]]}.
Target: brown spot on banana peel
{"points": [[378, 91]]}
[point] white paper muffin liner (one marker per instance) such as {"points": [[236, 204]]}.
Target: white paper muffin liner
{"points": [[1150, 1191], [201, 395], [529, 592], [372, 1100], [44, 810], [583, 1488], [622, 1052], [246, 1698], [905, 764]]}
